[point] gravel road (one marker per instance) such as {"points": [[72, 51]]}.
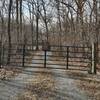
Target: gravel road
{"points": [[65, 89]]}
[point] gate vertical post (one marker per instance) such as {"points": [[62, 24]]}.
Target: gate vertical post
{"points": [[23, 59], [45, 58], [67, 57], [93, 67]]}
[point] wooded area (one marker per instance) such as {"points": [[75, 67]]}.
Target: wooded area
{"points": [[49, 49], [59, 22]]}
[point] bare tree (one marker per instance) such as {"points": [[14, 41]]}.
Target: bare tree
{"points": [[37, 25], [17, 19], [9, 31], [21, 20]]}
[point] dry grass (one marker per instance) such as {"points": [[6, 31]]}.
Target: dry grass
{"points": [[39, 87], [42, 82], [8, 73], [88, 83], [26, 96], [42, 85], [92, 89]]}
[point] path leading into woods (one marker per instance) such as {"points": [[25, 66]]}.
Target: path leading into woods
{"points": [[65, 86]]}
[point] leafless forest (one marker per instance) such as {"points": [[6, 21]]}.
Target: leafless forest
{"points": [[31, 30], [61, 22]]}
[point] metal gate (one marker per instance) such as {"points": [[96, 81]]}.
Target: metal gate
{"points": [[58, 57]]}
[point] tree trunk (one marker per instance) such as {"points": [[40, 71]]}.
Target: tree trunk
{"points": [[21, 35], [17, 21], [37, 26], [9, 30]]}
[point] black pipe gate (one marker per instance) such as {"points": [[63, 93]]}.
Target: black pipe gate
{"points": [[58, 57]]}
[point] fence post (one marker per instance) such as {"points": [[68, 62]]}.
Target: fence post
{"points": [[0, 53], [23, 59], [67, 57], [45, 58], [93, 67]]}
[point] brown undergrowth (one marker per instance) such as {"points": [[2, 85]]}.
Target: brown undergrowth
{"points": [[92, 89], [9, 72], [39, 87], [88, 83], [91, 85]]}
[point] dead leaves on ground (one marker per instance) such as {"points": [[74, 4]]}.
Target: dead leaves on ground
{"points": [[26, 96], [39, 87], [92, 88], [6, 74], [42, 82]]}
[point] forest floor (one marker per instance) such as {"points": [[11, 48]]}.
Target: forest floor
{"points": [[50, 84]]}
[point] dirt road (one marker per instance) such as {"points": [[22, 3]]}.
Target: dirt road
{"points": [[65, 86]]}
